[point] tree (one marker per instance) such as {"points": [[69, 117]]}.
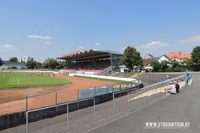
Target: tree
{"points": [[1, 61], [39, 65], [196, 58], [31, 64], [174, 64], [156, 66], [50, 63], [189, 64], [13, 59], [164, 66], [131, 58], [65, 64]]}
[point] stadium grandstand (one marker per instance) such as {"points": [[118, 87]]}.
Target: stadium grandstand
{"points": [[92, 61]]}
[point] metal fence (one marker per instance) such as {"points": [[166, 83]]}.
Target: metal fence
{"points": [[96, 91], [130, 92]]}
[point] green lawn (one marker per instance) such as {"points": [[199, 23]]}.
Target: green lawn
{"points": [[25, 79]]}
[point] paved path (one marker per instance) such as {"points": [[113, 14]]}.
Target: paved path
{"points": [[183, 107]]}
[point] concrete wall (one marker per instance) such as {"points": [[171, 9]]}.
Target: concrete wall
{"points": [[106, 77]]}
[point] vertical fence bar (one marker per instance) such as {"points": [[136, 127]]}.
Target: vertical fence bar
{"points": [[26, 103], [94, 106], [161, 88], [94, 92], [94, 111], [27, 123], [67, 114], [107, 92], [56, 98], [113, 100], [128, 97], [78, 97]]}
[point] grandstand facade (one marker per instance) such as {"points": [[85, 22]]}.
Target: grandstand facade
{"points": [[92, 60]]}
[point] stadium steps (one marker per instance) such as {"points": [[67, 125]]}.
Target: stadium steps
{"points": [[114, 74], [106, 72], [124, 75], [151, 78], [135, 75]]}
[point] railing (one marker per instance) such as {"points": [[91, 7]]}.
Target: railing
{"points": [[106, 70], [132, 94]]}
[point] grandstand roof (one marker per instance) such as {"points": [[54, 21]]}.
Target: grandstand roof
{"points": [[91, 53]]}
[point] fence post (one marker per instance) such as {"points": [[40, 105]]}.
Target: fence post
{"points": [[128, 97], [113, 100], [78, 99], [68, 114], [56, 98], [107, 93], [78, 96], [160, 88], [26, 103], [94, 106], [27, 123], [94, 91]]}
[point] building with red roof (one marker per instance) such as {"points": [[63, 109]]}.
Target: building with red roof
{"points": [[179, 56]]}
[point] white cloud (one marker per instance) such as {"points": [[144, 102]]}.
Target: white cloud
{"points": [[7, 47], [154, 45], [39, 37], [80, 47], [193, 39], [97, 43]]}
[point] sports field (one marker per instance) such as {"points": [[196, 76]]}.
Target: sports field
{"points": [[42, 96], [25, 79]]}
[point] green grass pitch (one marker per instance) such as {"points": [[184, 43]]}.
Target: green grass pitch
{"points": [[25, 79]]}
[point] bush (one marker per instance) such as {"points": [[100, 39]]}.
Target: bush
{"points": [[22, 68], [196, 67], [13, 67], [179, 69], [58, 67]]}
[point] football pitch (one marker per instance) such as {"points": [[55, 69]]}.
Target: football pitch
{"points": [[26, 79]]}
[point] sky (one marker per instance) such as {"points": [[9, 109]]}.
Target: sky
{"points": [[50, 28]]}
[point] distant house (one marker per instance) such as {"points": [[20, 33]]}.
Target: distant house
{"points": [[179, 56], [25, 59], [12, 65], [148, 59], [148, 56], [164, 58]]}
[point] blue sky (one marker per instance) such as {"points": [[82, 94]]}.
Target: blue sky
{"points": [[50, 28]]}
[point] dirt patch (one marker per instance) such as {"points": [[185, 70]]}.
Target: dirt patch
{"points": [[7, 95], [66, 94]]}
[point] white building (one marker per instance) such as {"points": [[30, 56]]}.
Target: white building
{"points": [[148, 56], [12, 65], [25, 59], [164, 58]]}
